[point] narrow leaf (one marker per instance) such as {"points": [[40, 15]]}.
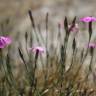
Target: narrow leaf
{"points": [[73, 24], [90, 30], [26, 36], [66, 26], [31, 18], [21, 55], [74, 44]]}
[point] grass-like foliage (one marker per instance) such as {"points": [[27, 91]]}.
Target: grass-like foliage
{"points": [[55, 77]]}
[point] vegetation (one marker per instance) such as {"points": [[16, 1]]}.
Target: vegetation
{"points": [[53, 78]]}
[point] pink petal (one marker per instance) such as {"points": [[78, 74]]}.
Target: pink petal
{"points": [[4, 41], [75, 28], [34, 49], [92, 45], [8, 40], [88, 19], [2, 46]]}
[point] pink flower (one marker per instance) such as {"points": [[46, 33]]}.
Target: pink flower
{"points": [[88, 19], [92, 45], [4, 41], [37, 48], [75, 28]]}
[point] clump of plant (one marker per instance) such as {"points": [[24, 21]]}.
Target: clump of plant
{"points": [[52, 79]]}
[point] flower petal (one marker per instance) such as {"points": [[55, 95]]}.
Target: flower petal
{"points": [[88, 19]]}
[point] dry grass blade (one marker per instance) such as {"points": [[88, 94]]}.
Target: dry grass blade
{"points": [[21, 55], [31, 40], [26, 36], [31, 18], [47, 15], [82, 55], [59, 35], [8, 59]]}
